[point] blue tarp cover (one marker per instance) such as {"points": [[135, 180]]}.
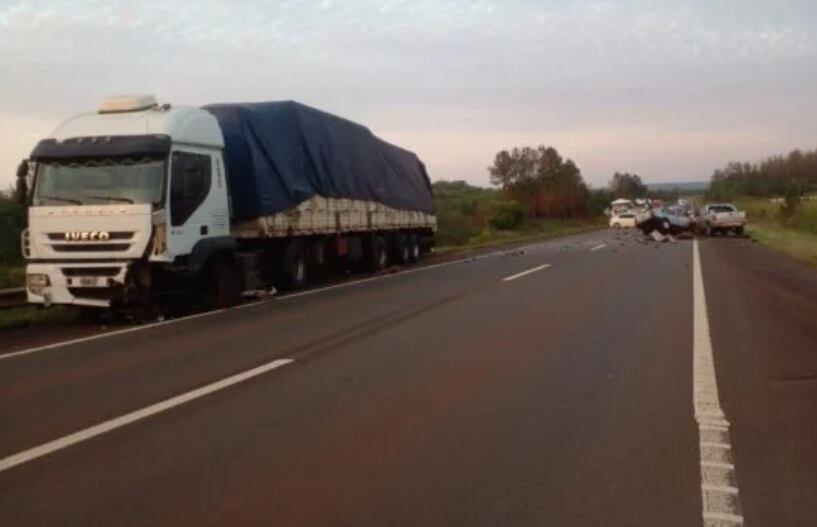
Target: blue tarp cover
{"points": [[279, 154]]}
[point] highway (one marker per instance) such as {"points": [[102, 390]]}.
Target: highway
{"points": [[591, 380]]}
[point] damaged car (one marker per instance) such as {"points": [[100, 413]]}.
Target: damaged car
{"points": [[665, 220]]}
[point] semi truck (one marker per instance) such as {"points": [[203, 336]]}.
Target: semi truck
{"points": [[148, 205]]}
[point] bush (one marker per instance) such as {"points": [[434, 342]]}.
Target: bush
{"points": [[507, 215], [12, 223], [454, 228], [460, 209], [12, 277]]}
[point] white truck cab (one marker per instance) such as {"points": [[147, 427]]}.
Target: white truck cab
{"points": [[132, 183]]}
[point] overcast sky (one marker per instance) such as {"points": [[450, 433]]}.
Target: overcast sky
{"points": [[669, 90]]}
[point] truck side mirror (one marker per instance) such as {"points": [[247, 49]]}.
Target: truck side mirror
{"points": [[21, 186]]}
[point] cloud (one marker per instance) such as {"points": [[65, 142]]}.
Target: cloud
{"points": [[567, 73]]}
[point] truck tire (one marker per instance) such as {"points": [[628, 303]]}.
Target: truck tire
{"points": [[222, 282], [378, 253], [402, 249], [414, 248], [293, 267], [738, 231]]}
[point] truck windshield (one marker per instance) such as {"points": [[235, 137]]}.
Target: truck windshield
{"points": [[98, 181]]}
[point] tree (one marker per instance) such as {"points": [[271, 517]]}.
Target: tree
{"points": [[626, 185], [774, 176], [544, 183]]}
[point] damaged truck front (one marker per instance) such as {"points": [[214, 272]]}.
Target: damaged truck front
{"points": [[96, 216]]}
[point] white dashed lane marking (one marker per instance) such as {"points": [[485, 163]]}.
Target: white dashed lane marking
{"points": [[525, 273], [719, 487], [137, 415], [292, 296]]}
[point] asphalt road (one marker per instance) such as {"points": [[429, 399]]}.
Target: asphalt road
{"points": [[548, 386]]}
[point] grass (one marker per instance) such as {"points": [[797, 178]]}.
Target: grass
{"points": [[12, 276], [798, 244], [795, 235], [532, 231], [26, 316]]}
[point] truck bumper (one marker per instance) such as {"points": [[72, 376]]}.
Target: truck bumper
{"points": [[81, 284]]}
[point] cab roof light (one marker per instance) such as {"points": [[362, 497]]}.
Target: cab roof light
{"points": [[128, 103]]}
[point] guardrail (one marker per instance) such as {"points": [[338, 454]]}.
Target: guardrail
{"points": [[11, 298]]}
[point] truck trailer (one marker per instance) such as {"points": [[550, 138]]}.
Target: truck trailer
{"points": [[147, 205]]}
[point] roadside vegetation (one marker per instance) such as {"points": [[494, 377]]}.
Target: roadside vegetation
{"points": [[779, 195], [473, 217], [12, 222], [537, 195], [28, 316], [794, 233]]}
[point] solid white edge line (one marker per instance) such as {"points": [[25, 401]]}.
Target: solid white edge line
{"points": [[598, 247], [80, 340], [89, 338], [119, 422], [46, 347], [706, 404], [525, 273], [721, 517]]}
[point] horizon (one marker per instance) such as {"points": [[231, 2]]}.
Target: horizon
{"points": [[666, 92]]}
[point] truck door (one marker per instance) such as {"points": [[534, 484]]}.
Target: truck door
{"points": [[196, 200]]}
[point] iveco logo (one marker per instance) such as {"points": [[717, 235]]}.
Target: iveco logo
{"points": [[87, 236]]}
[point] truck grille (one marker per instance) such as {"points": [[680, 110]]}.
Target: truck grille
{"points": [[90, 247], [93, 293], [90, 271]]}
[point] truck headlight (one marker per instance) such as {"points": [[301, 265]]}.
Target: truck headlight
{"points": [[37, 282]]}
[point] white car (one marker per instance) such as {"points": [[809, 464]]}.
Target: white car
{"points": [[625, 220]]}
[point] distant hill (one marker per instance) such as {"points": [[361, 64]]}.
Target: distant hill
{"points": [[681, 187]]}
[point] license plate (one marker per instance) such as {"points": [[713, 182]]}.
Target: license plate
{"points": [[87, 281]]}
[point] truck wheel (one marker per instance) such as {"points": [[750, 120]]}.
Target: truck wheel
{"points": [[378, 254], [294, 267], [402, 249], [414, 248], [708, 230], [223, 284]]}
